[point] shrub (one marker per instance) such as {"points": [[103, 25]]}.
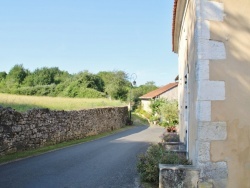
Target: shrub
{"points": [[90, 93], [40, 90], [148, 163], [167, 110], [142, 112], [172, 137]]}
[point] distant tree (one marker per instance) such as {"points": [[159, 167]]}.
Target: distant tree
{"points": [[43, 76], [80, 84], [116, 84], [60, 76], [89, 80], [149, 86], [143, 89], [29, 80], [16, 76], [47, 76], [3, 76], [3, 82]]}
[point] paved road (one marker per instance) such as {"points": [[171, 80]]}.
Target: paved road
{"points": [[109, 162]]}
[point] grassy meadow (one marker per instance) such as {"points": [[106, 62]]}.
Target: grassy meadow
{"points": [[23, 103]]}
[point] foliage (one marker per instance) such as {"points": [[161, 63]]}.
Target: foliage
{"points": [[116, 84], [171, 137], [154, 118], [83, 84], [156, 104], [2, 76], [142, 89], [167, 110], [89, 93], [142, 112], [52, 81], [40, 90], [137, 92], [138, 120], [148, 163], [16, 76], [46, 76]]}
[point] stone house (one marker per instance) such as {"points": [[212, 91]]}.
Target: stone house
{"points": [[212, 39], [169, 91]]}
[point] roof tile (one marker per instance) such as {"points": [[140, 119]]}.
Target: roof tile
{"points": [[159, 91]]}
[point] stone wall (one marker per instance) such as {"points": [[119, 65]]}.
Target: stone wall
{"points": [[39, 127]]}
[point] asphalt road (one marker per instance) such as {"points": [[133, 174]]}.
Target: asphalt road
{"points": [[108, 162]]}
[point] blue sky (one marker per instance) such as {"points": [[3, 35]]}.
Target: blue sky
{"points": [[95, 35]]}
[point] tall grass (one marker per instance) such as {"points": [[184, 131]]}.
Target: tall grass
{"points": [[24, 103]]}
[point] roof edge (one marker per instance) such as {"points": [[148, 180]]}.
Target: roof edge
{"points": [[178, 12], [159, 91]]}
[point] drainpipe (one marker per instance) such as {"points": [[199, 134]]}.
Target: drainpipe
{"points": [[187, 114], [187, 98]]}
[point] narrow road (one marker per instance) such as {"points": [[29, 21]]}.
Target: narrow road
{"points": [[109, 162]]}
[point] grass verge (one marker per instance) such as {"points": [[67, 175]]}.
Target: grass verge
{"points": [[45, 149], [138, 120]]}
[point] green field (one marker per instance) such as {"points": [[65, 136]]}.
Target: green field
{"points": [[24, 103]]}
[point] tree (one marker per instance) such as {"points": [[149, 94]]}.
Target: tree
{"points": [[3, 76], [43, 76], [142, 89], [167, 110], [116, 84], [16, 76], [82, 84], [46, 76]]}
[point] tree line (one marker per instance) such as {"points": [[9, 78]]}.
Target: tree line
{"points": [[55, 82]]}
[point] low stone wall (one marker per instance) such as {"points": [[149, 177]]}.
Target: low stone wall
{"points": [[39, 127]]}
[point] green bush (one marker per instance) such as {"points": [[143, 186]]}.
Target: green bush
{"points": [[171, 137], [148, 163], [41, 90], [142, 112], [89, 93], [167, 110]]}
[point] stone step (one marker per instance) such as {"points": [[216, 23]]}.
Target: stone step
{"points": [[174, 146], [179, 152]]}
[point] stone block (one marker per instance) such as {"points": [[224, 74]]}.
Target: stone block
{"points": [[212, 10], [178, 176], [203, 151], [203, 29], [211, 50], [215, 171], [16, 128], [208, 131], [203, 110], [211, 90], [202, 70]]}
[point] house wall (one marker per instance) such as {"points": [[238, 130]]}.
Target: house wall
{"points": [[146, 105], [171, 94], [208, 92], [214, 61], [187, 82], [234, 70]]}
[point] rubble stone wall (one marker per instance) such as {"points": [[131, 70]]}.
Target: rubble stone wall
{"points": [[40, 127]]}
